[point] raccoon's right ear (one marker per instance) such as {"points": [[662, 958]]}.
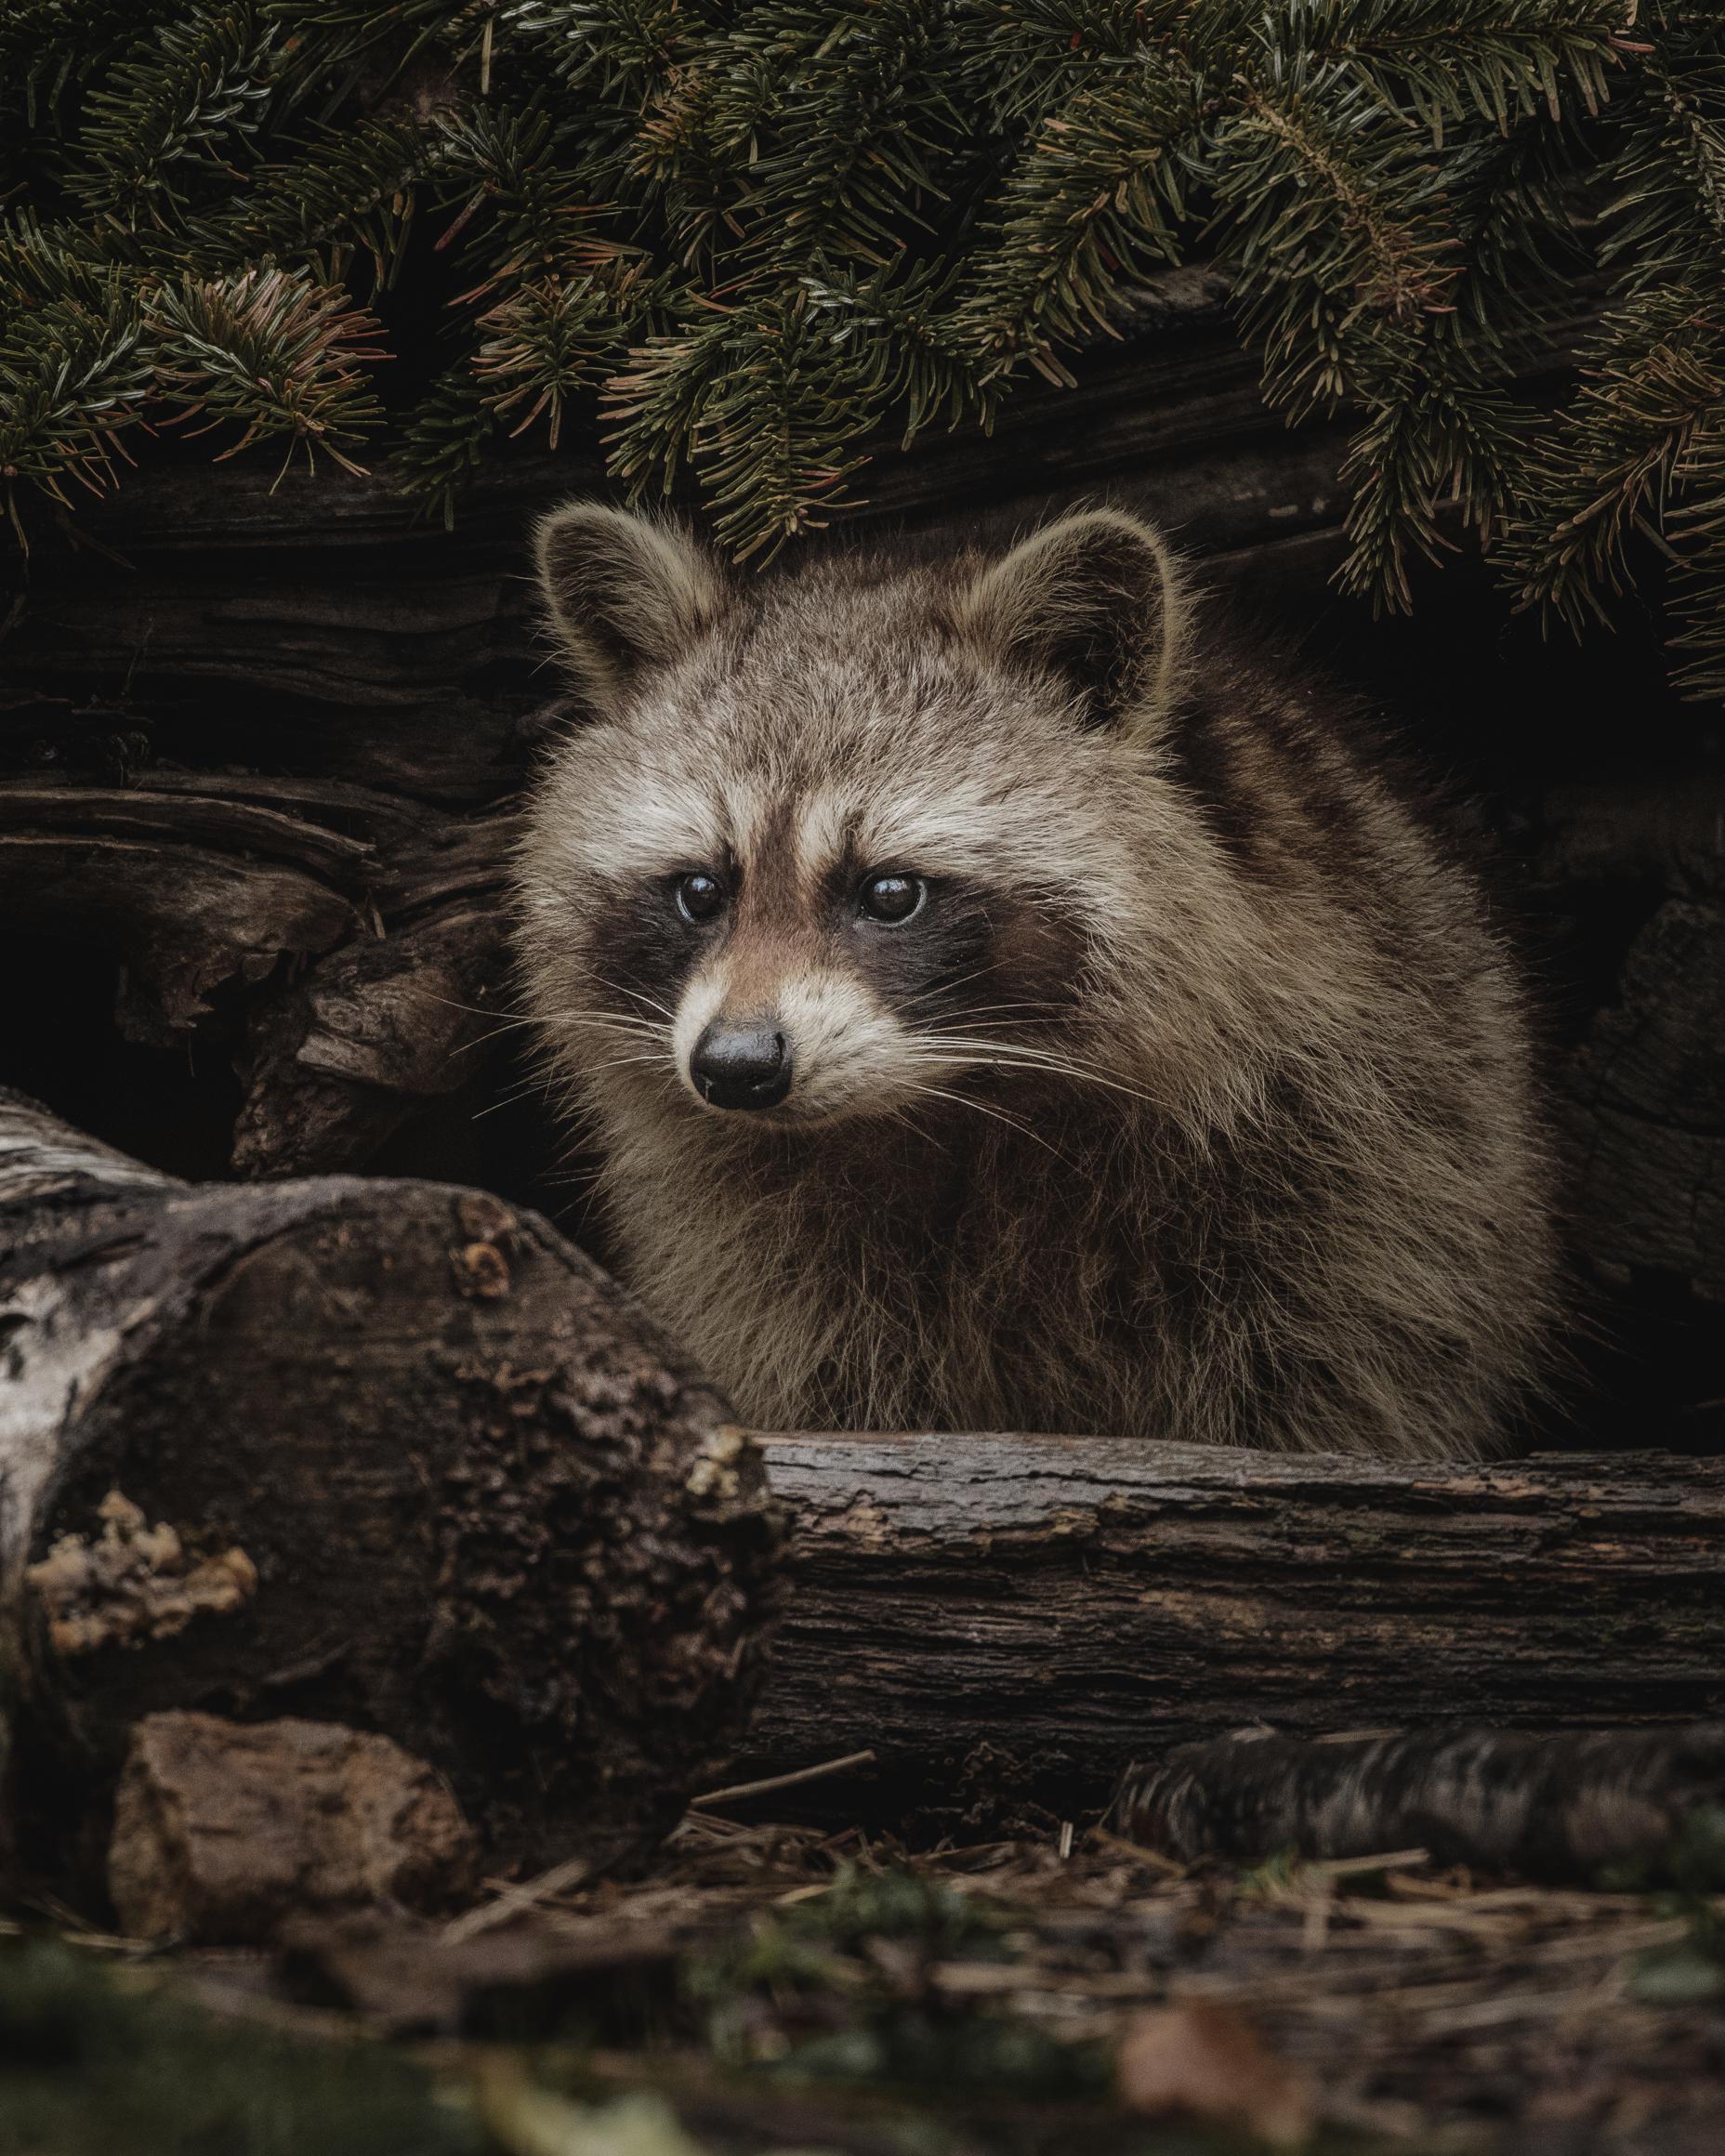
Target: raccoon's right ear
{"points": [[1095, 599], [623, 592]]}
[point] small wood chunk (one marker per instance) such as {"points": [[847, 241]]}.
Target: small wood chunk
{"points": [[222, 1831]]}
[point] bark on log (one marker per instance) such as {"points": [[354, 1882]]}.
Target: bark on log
{"points": [[1020, 1617], [387, 1453], [1565, 1807]]}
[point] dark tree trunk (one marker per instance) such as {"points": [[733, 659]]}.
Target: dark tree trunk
{"points": [[384, 1453]]}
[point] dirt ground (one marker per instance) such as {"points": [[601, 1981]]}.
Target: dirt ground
{"points": [[769, 1987]]}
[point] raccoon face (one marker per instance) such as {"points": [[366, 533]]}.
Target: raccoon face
{"points": [[843, 848]]}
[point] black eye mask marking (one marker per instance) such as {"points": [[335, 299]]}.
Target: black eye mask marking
{"points": [[968, 952], [644, 949]]}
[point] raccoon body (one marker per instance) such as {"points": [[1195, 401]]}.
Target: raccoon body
{"points": [[997, 1005]]}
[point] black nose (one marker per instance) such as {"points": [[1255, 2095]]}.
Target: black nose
{"points": [[741, 1066]]}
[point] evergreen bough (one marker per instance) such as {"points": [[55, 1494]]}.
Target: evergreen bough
{"points": [[752, 232]]}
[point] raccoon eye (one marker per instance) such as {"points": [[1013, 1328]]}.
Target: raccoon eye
{"points": [[892, 898], [700, 896]]}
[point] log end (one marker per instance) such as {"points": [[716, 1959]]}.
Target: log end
{"points": [[395, 1456]]}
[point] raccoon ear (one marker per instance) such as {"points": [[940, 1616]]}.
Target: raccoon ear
{"points": [[1095, 598], [623, 592]]}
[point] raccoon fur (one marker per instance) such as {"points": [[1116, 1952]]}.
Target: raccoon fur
{"points": [[998, 1003]]}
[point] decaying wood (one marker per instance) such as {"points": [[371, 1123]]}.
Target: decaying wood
{"points": [[388, 1454], [1009, 1620], [337, 1061], [1644, 1096], [1569, 1806], [225, 1831]]}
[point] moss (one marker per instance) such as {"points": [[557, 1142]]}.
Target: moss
{"points": [[96, 2061], [835, 1988]]}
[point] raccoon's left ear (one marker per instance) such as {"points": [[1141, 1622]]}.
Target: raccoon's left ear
{"points": [[625, 592], [1095, 599]]}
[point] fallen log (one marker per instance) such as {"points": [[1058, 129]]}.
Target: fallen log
{"points": [[1011, 1621], [390, 1454], [1571, 1806], [387, 1454]]}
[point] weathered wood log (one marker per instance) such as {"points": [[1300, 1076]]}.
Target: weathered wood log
{"points": [[335, 1062], [388, 1454], [361, 937], [1565, 1807], [1018, 1618]]}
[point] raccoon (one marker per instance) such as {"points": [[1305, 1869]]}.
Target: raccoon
{"points": [[999, 1004]]}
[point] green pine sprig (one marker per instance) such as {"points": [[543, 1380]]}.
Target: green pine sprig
{"points": [[746, 243]]}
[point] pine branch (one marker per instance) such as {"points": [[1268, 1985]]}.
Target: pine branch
{"points": [[351, 188], [271, 353], [825, 113], [1439, 62], [1668, 178], [761, 401], [76, 368], [444, 443], [548, 342], [1697, 530], [1652, 384], [48, 46], [1339, 221], [185, 94], [748, 236], [1099, 194], [1439, 443]]}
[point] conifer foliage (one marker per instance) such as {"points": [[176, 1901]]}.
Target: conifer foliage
{"points": [[747, 236]]}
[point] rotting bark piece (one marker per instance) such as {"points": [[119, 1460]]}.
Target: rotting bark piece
{"points": [[1557, 1807], [390, 1454], [335, 1063], [224, 1831]]}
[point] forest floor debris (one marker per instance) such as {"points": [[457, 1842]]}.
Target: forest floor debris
{"points": [[769, 1987]]}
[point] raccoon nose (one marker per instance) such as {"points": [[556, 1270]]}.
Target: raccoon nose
{"points": [[741, 1066]]}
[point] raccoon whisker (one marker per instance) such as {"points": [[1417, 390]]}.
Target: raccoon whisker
{"points": [[998, 1114], [616, 1063], [1010, 1055], [998, 1010], [483, 1040], [646, 1029], [1003, 1062], [495, 1107], [516, 1093], [946, 987], [477, 1010], [634, 995]]}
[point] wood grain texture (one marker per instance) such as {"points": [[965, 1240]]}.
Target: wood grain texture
{"points": [[1038, 1611]]}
